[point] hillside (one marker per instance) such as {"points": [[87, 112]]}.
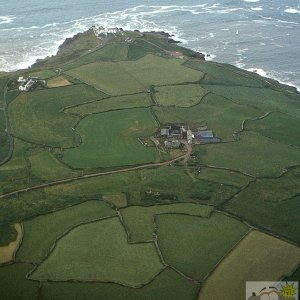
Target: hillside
{"points": [[131, 168]]}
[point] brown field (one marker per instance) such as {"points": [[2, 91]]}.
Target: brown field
{"points": [[7, 252], [258, 257], [116, 199], [58, 82]]}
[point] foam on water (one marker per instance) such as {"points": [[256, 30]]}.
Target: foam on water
{"points": [[6, 19], [292, 10]]}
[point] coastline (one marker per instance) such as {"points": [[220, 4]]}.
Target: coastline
{"points": [[59, 46]]}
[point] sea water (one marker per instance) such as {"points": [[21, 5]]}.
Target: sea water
{"points": [[259, 35]]}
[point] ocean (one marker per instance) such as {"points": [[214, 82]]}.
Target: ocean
{"points": [[258, 35]]}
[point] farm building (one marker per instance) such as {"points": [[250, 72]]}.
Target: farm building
{"points": [[165, 132], [189, 136], [172, 144], [176, 131], [207, 137]]}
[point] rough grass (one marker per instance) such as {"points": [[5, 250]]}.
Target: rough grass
{"points": [[180, 95], [41, 232], [118, 200], [111, 139], [7, 252], [167, 286], [4, 140], [264, 98], [221, 115], [258, 257], [279, 127], [139, 220], [253, 154], [42, 74], [14, 285], [38, 117], [80, 253], [272, 204], [109, 77], [44, 166], [222, 74], [114, 103], [195, 245]]}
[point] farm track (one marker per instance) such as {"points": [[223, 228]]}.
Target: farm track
{"points": [[53, 183]]}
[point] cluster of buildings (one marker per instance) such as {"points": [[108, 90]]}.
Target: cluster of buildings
{"points": [[175, 135], [26, 84]]}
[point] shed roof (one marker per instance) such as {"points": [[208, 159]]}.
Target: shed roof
{"points": [[206, 134]]}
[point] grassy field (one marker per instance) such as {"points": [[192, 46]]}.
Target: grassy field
{"points": [[44, 166], [139, 220], [109, 52], [265, 98], [219, 114], [114, 103], [252, 155], [167, 286], [258, 257], [224, 74], [279, 127], [40, 233], [7, 252], [180, 95], [80, 253], [155, 70], [111, 139], [13, 284], [109, 77], [267, 198], [4, 139], [42, 74], [37, 116], [195, 245]]}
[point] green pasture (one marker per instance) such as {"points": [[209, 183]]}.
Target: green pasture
{"points": [[155, 70], [168, 285], [42, 74], [14, 285], [140, 48], [4, 139], [38, 117], [195, 245], [265, 99], [108, 77], [252, 154], [279, 127], [109, 52], [139, 220], [225, 75], [272, 204], [99, 251], [41, 232], [180, 95], [221, 176], [3, 82], [113, 103], [111, 139], [219, 114], [44, 166]]}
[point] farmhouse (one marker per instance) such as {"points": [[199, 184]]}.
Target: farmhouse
{"points": [[29, 83]]}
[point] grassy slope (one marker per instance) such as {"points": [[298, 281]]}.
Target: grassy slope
{"points": [[37, 116], [139, 220], [279, 127], [111, 139], [80, 253], [271, 203], [114, 103], [181, 95], [167, 286], [251, 154], [195, 245], [40, 233]]}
